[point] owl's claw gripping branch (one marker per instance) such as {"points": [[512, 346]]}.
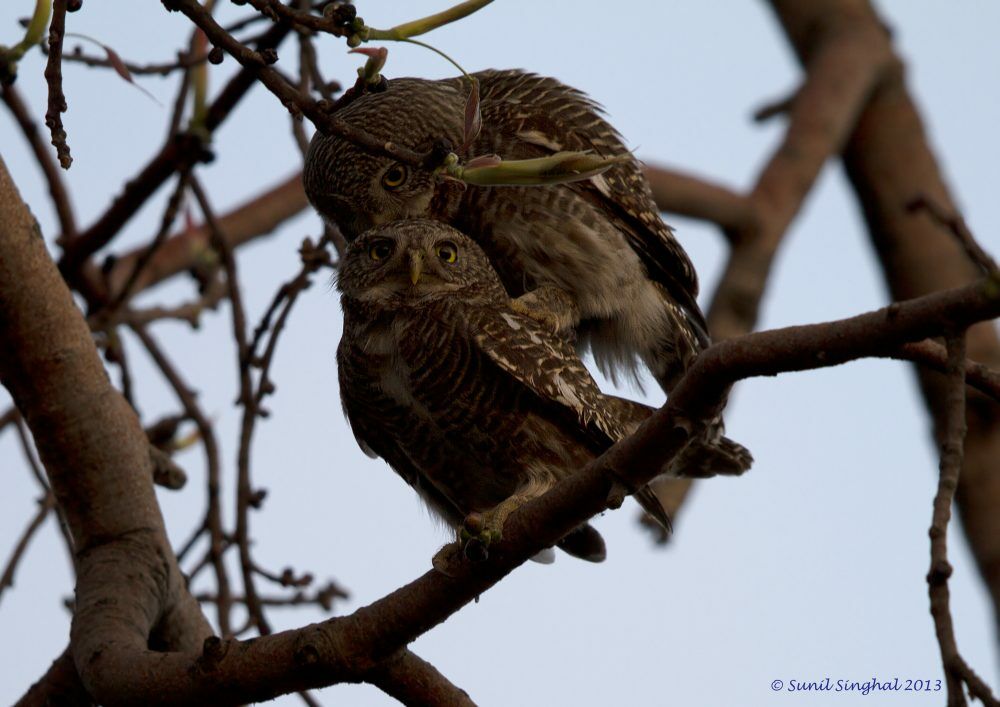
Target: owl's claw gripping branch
{"points": [[480, 530]]}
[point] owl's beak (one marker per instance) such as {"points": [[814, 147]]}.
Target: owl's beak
{"points": [[416, 265]]}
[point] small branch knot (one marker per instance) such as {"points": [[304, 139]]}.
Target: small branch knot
{"points": [[939, 573], [212, 651], [307, 655]]}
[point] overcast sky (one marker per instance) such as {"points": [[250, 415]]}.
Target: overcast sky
{"points": [[810, 566]]}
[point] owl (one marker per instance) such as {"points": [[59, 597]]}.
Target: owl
{"points": [[477, 406], [592, 257]]}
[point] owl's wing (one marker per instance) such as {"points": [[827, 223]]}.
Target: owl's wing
{"points": [[541, 116], [548, 365]]}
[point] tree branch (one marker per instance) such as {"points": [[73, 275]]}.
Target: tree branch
{"points": [[53, 75], [57, 188], [956, 671], [60, 685], [416, 683], [694, 197], [179, 151], [184, 250], [890, 164], [847, 61]]}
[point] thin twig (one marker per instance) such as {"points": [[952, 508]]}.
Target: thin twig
{"points": [[954, 222], [184, 60], [45, 504], [308, 699], [952, 443], [189, 312], [933, 355], [213, 514], [27, 449], [244, 490], [257, 62], [53, 75], [189, 248], [181, 150], [166, 223], [53, 178], [10, 416]]}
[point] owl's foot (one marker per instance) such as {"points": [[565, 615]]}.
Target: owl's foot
{"points": [[477, 533], [480, 530], [550, 306]]}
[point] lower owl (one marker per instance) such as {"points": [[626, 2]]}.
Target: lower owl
{"points": [[476, 405]]}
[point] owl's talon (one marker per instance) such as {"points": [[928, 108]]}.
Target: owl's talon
{"points": [[476, 550]]}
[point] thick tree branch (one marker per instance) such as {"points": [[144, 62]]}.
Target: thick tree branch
{"points": [[96, 455], [847, 62]]}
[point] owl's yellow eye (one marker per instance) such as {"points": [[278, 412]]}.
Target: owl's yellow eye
{"points": [[394, 176], [447, 251], [380, 249]]}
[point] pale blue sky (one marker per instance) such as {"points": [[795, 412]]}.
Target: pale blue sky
{"points": [[810, 566]]}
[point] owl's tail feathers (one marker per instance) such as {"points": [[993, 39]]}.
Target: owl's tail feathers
{"points": [[586, 543], [704, 458], [651, 504]]}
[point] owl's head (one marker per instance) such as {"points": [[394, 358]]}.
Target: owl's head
{"points": [[356, 189], [415, 262]]}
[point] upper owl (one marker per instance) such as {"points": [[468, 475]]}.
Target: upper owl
{"points": [[593, 254]]}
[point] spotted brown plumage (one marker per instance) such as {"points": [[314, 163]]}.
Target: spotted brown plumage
{"points": [[477, 406], [594, 255]]}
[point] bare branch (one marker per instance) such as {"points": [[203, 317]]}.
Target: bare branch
{"points": [[53, 75], [889, 162], [416, 683], [257, 217], [60, 685], [956, 224], [846, 63], [956, 671], [213, 513], [45, 504], [933, 355], [57, 187], [694, 197], [180, 151]]}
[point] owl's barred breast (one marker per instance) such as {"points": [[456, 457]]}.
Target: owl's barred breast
{"points": [[473, 433]]}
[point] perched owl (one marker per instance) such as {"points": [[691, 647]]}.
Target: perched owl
{"points": [[476, 405], [591, 256]]}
